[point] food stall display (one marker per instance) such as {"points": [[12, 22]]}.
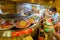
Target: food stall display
{"points": [[4, 24], [18, 27]]}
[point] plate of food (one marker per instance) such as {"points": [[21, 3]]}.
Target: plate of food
{"points": [[5, 25], [22, 24]]}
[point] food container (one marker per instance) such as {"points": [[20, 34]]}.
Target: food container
{"points": [[29, 30], [22, 24], [6, 24]]}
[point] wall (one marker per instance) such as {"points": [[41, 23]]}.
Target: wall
{"points": [[9, 7]]}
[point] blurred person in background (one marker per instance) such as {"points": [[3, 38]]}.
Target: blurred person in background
{"points": [[54, 14], [57, 30]]}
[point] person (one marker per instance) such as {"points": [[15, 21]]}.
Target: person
{"points": [[57, 30], [55, 14]]}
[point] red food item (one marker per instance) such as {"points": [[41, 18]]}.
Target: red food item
{"points": [[29, 31], [13, 34], [21, 32], [41, 38], [6, 25], [18, 34]]}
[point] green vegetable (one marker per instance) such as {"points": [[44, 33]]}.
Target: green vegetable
{"points": [[46, 30]]}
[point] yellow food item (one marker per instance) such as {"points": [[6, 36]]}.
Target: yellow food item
{"points": [[22, 23], [28, 38], [31, 20]]}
